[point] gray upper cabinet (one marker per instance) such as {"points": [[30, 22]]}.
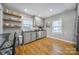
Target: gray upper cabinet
{"points": [[37, 21]]}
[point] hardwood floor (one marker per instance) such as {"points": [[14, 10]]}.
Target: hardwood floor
{"points": [[47, 46]]}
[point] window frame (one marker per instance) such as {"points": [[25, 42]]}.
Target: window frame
{"points": [[60, 26], [26, 25]]}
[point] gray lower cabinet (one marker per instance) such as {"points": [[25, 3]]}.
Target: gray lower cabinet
{"points": [[27, 37], [33, 36], [41, 34], [44, 33]]}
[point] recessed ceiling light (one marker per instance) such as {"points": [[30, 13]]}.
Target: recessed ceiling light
{"points": [[50, 10], [25, 10], [39, 15]]}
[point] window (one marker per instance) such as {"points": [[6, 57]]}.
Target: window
{"points": [[27, 25], [57, 26]]}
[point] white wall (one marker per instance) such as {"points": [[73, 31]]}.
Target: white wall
{"points": [[78, 9], [68, 19], [1, 22]]}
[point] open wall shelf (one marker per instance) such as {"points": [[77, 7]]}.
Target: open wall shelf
{"points": [[11, 14], [11, 19], [11, 26]]}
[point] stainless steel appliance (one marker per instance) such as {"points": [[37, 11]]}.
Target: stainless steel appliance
{"points": [[77, 47]]}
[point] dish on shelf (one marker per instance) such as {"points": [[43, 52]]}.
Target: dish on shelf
{"points": [[12, 25], [6, 24]]}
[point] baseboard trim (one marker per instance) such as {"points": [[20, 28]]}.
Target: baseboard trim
{"points": [[61, 39]]}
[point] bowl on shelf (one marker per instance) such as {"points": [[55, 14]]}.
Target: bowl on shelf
{"points": [[12, 25], [7, 24]]}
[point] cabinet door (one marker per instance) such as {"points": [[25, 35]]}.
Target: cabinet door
{"points": [[27, 37], [38, 21], [44, 33], [40, 34], [33, 36]]}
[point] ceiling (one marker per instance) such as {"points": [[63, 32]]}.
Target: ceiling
{"points": [[40, 9]]}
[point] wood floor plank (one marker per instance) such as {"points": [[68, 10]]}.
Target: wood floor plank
{"points": [[47, 46]]}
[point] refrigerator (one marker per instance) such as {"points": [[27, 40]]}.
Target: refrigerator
{"points": [[77, 48]]}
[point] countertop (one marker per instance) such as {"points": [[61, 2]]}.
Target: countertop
{"points": [[34, 30]]}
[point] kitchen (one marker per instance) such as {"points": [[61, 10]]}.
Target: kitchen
{"points": [[27, 23]]}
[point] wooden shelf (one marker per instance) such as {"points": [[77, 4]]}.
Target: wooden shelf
{"points": [[11, 26], [11, 20], [11, 14]]}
